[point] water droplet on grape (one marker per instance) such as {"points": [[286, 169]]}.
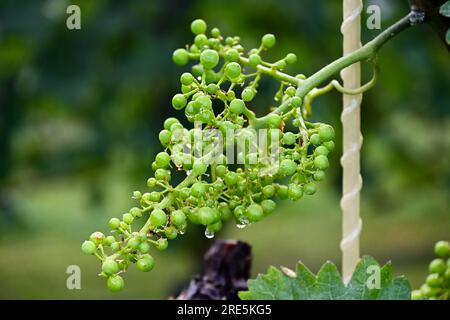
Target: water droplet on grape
{"points": [[241, 226], [209, 234]]}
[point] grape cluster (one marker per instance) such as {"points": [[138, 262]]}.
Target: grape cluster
{"points": [[218, 95], [437, 283]]}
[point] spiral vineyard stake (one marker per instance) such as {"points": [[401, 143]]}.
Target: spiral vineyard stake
{"points": [[352, 140]]}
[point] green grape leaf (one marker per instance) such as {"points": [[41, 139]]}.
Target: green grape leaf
{"points": [[445, 11], [370, 281]]}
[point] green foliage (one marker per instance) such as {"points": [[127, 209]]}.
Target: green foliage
{"points": [[285, 284], [437, 283]]}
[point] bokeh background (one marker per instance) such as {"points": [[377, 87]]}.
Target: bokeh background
{"points": [[80, 112]]}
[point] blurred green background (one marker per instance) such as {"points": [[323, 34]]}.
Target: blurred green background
{"points": [[80, 112]]}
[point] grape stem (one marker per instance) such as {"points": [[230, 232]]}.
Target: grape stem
{"points": [[366, 52]]}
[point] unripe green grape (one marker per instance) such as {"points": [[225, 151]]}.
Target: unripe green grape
{"points": [[289, 138], [123, 225], [127, 218], [321, 162], [115, 283], [310, 188], [151, 182], [144, 247], [295, 192], [232, 55], [433, 280], [194, 49], [179, 101], [207, 215], [218, 184], [281, 64], [442, 249], [212, 88], [158, 218], [231, 95], [176, 127], [204, 102], [215, 227], [164, 137], [326, 132], [231, 179], [198, 26], [248, 94], [254, 60], [290, 91], [329, 145], [198, 190], [296, 101], [239, 212], [145, 263], [214, 43], [221, 171], [417, 295], [209, 59], [184, 193], [114, 223], [169, 122], [161, 244], [115, 246], [225, 212], [109, 266], [315, 139], [319, 175], [199, 168], [215, 32], [178, 218], [88, 247], [136, 212], [237, 106], [197, 70], [200, 40], [171, 232], [290, 58], [268, 40], [268, 206], [109, 240], [254, 212], [321, 150], [233, 70], [162, 159], [162, 175], [282, 192], [180, 57], [186, 78], [287, 167], [274, 121], [437, 266], [133, 243], [97, 237], [268, 191]]}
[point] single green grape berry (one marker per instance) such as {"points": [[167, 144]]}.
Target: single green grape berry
{"points": [[144, 247], [221, 171], [198, 190], [180, 57], [158, 218], [433, 280], [442, 249], [127, 218], [231, 95], [115, 246], [287, 167], [233, 70], [154, 196], [114, 223], [175, 127], [437, 266], [207, 215], [268, 191], [97, 237], [310, 188], [248, 94], [215, 227], [198, 26], [136, 212], [164, 137], [295, 192], [225, 211], [109, 240], [186, 78], [326, 132], [290, 58], [133, 243], [254, 212], [268, 206], [417, 295], [161, 244], [232, 55], [296, 101], [254, 60], [171, 232], [88, 247], [162, 159], [321, 150], [204, 101], [282, 192], [321, 162], [315, 139], [237, 106], [319, 175], [273, 120], [123, 225], [268, 40], [290, 91], [329, 145], [179, 101], [215, 32], [178, 218], [281, 64], [115, 283], [109, 266], [231, 179], [209, 59], [151, 182], [169, 122], [145, 263], [212, 88], [199, 168], [289, 138], [200, 40], [162, 175]]}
